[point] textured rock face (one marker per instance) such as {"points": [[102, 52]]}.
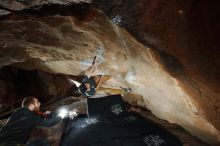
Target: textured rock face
{"points": [[184, 34], [15, 5], [66, 43]]}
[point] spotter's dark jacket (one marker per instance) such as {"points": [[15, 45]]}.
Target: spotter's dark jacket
{"points": [[18, 127]]}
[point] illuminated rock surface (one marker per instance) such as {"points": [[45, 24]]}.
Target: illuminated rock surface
{"points": [[64, 40]]}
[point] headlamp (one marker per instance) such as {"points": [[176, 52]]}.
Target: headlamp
{"points": [[62, 113], [75, 82]]}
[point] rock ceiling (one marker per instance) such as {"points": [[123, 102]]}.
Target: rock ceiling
{"points": [[161, 54]]}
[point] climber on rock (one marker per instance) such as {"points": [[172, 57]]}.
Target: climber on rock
{"points": [[18, 127], [90, 84]]}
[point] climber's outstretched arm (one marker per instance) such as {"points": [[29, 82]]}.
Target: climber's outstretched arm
{"points": [[92, 69]]}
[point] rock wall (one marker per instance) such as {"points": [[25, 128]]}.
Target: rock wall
{"points": [[64, 40], [184, 35]]}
